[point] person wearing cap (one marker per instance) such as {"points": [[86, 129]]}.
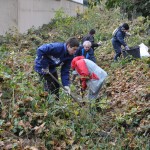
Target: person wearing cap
{"points": [[118, 40], [91, 75], [49, 56], [86, 51], [90, 37]]}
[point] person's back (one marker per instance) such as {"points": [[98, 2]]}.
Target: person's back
{"points": [[99, 72], [118, 36], [91, 75], [88, 37]]}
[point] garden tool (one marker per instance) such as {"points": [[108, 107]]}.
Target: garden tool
{"points": [[82, 91], [75, 74], [76, 99], [74, 77]]}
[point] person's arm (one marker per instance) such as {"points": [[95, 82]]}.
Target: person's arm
{"points": [[95, 45], [92, 57], [91, 39], [121, 39], [82, 69], [65, 72], [45, 49], [40, 59]]}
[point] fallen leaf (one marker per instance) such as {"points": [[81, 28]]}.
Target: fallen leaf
{"points": [[39, 129]]}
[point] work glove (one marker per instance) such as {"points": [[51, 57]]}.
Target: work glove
{"points": [[99, 43], [127, 48], [45, 71], [67, 89], [128, 34]]}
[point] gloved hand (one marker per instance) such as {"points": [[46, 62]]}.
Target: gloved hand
{"points": [[67, 89], [127, 48], [128, 34], [99, 43], [46, 71]]}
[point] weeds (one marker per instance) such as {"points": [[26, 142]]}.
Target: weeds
{"points": [[116, 121]]}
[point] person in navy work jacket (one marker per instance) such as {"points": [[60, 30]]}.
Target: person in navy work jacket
{"points": [[86, 51], [118, 40], [49, 56]]}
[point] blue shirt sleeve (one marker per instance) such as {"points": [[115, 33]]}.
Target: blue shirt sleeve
{"points": [[65, 72]]}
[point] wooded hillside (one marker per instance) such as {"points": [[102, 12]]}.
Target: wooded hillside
{"points": [[31, 119]]}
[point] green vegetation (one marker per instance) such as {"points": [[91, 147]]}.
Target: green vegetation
{"points": [[32, 119]]}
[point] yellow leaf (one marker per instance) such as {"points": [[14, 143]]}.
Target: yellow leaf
{"points": [[70, 141], [76, 112], [68, 131]]}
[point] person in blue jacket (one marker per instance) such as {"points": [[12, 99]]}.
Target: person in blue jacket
{"points": [[49, 56], [86, 51], [118, 40]]}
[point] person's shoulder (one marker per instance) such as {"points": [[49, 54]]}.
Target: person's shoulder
{"points": [[56, 45], [119, 32], [86, 37], [91, 51], [88, 61], [81, 47]]}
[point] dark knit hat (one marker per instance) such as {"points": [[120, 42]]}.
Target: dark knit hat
{"points": [[125, 26], [92, 31]]}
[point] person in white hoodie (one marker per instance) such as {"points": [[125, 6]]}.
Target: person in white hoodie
{"points": [[91, 75]]}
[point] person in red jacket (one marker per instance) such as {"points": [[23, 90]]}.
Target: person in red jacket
{"points": [[91, 75]]}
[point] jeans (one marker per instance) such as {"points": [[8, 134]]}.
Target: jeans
{"points": [[117, 48]]}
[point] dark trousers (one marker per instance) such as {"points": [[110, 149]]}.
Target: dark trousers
{"points": [[118, 54], [50, 85], [117, 48]]}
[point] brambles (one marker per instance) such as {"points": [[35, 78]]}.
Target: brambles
{"points": [[32, 117]]}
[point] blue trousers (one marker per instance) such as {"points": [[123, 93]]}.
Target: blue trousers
{"points": [[117, 48]]}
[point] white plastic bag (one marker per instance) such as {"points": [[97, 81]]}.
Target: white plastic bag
{"points": [[144, 50]]}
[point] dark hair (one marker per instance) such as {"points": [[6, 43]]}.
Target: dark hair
{"points": [[125, 26], [92, 31], [72, 42]]}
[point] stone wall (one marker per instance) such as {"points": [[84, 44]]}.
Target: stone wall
{"points": [[23, 14]]}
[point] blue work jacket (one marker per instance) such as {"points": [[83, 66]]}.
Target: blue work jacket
{"points": [[50, 56], [118, 38]]}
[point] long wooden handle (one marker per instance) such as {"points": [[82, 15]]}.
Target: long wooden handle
{"points": [[72, 95]]}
